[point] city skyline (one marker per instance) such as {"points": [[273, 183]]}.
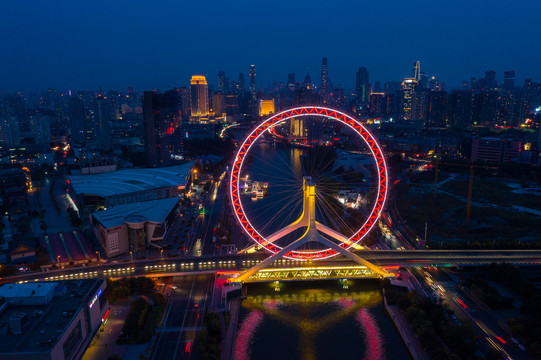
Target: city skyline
{"points": [[84, 47]]}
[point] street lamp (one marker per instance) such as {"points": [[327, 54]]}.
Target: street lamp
{"points": [[99, 257], [58, 260], [131, 256], [161, 253]]}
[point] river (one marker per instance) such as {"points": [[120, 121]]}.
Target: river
{"points": [[316, 320]]}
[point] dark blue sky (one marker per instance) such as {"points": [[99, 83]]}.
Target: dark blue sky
{"points": [[159, 44]]}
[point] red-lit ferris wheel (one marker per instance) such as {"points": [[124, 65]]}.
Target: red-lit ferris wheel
{"points": [[363, 136]]}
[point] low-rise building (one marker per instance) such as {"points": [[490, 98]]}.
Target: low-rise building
{"points": [[128, 186], [50, 320], [133, 227], [495, 150]]}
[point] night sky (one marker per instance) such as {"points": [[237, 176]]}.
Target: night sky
{"points": [[76, 44]]}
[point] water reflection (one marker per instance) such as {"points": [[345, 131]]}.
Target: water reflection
{"points": [[306, 324]]}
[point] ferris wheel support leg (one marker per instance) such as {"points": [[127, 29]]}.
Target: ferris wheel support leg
{"points": [[265, 263], [359, 260]]}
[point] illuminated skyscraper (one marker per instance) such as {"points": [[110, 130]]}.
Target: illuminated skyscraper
{"points": [[324, 80], [362, 87], [266, 107], [200, 100], [163, 127], [252, 81], [416, 73], [221, 81], [408, 86]]}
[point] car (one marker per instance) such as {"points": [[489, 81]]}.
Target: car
{"points": [[196, 304]]}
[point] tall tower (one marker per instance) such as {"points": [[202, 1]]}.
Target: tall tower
{"points": [[221, 81], [200, 96], [324, 80], [362, 87], [163, 127], [77, 120], [416, 73], [252, 81]]}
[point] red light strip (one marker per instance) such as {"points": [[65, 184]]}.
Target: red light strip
{"points": [[104, 316], [279, 118]]}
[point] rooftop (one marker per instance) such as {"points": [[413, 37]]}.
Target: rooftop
{"points": [[26, 290], [155, 210], [47, 322], [130, 181]]}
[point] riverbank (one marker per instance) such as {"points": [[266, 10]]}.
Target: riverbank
{"points": [[410, 339]]}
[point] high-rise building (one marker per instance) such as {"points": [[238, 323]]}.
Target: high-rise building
{"points": [[101, 137], [9, 130], [437, 112], [266, 107], [420, 105], [218, 104], [163, 127], [416, 73], [200, 100], [423, 81], [408, 87], [362, 87], [185, 103], [77, 120], [460, 109], [242, 83], [390, 87], [291, 85], [487, 107], [377, 102], [490, 79], [324, 81], [307, 83], [231, 103], [221, 81], [509, 80], [253, 81]]}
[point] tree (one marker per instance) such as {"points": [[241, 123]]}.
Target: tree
{"points": [[76, 222], [43, 226]]}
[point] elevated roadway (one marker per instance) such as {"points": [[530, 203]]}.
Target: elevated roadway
{"points": [[239, 262]]}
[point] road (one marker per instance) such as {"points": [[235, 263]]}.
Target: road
{"points": [[183, 318], [204, 227], [485, 325], [238, 262]]}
